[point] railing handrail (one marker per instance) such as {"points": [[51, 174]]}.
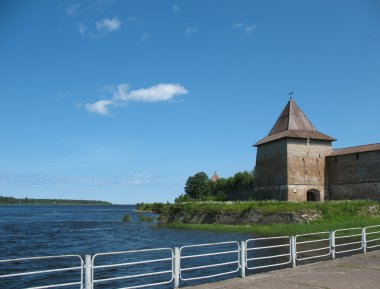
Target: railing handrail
{"points": [[150, 261], [258, 248], [369, 227], [209, 244], [347, 229], [218, 253], [41, 258], [130, 251], [59, 268]]}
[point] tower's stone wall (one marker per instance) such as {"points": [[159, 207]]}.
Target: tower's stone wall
{"points": [[306, 167], [271, 171]]}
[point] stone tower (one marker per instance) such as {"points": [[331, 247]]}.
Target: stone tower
{"points": [[290, 162]]}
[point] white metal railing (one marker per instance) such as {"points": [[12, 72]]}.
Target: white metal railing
{"points": [[39, 263], [372, 237], [317, 242], [130, 269], [235, 259], [141, 271], [257, 248], [347, 240]]}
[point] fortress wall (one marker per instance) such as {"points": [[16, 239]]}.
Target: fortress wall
{"points": [[356, 191], [278, 192], [354, 176]]}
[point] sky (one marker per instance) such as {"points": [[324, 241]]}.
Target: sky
{"points": [[124, 100]]}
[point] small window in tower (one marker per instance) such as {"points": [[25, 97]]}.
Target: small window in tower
{"points": [[357, 156], [336, 159], [319, 155]]}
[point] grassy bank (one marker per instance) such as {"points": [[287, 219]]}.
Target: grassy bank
{"points": [[280, 229], [335, 215], [332, 209]]}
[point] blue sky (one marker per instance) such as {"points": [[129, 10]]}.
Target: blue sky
{"points": [[123, 100]]}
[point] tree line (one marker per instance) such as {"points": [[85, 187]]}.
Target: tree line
{"points": [[26, 201], [238, 187]]}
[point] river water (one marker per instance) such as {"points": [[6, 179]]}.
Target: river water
{"points": [[27, 231]]}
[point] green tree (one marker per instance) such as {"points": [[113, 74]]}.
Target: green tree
{"points": [[238, 187], [219, 189], [198, 186]]}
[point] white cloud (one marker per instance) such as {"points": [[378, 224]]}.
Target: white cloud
{"points": [[122, 95], [159, 92], [108, 25], [139, 180], [99, 107], [247, 29], [72, 10], [191, 30], [175, 8], [82, 28]]}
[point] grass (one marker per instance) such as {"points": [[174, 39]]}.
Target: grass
{"points": [[265, 207], [279, 229]]}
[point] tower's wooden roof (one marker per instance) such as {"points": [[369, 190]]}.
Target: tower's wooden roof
{"points": [[293, 123]]}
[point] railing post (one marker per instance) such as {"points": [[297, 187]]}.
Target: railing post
{"points": [[332, 244], [177, 268], [88, 272], [243, 253], [364, 240], [293, 251]]}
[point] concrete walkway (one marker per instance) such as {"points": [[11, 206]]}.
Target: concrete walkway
{"points": [[357, 271]]}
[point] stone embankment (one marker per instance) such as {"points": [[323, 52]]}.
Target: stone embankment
{"points": [[239, 218]]}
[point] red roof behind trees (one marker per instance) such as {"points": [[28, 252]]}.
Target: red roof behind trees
{"points": [[214, 177]]}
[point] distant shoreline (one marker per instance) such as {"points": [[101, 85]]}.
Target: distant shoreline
{"points": [[27, 201]]}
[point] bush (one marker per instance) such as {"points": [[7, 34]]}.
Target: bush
{"points": [[144, 218], [126, 218], [157, 208]]}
